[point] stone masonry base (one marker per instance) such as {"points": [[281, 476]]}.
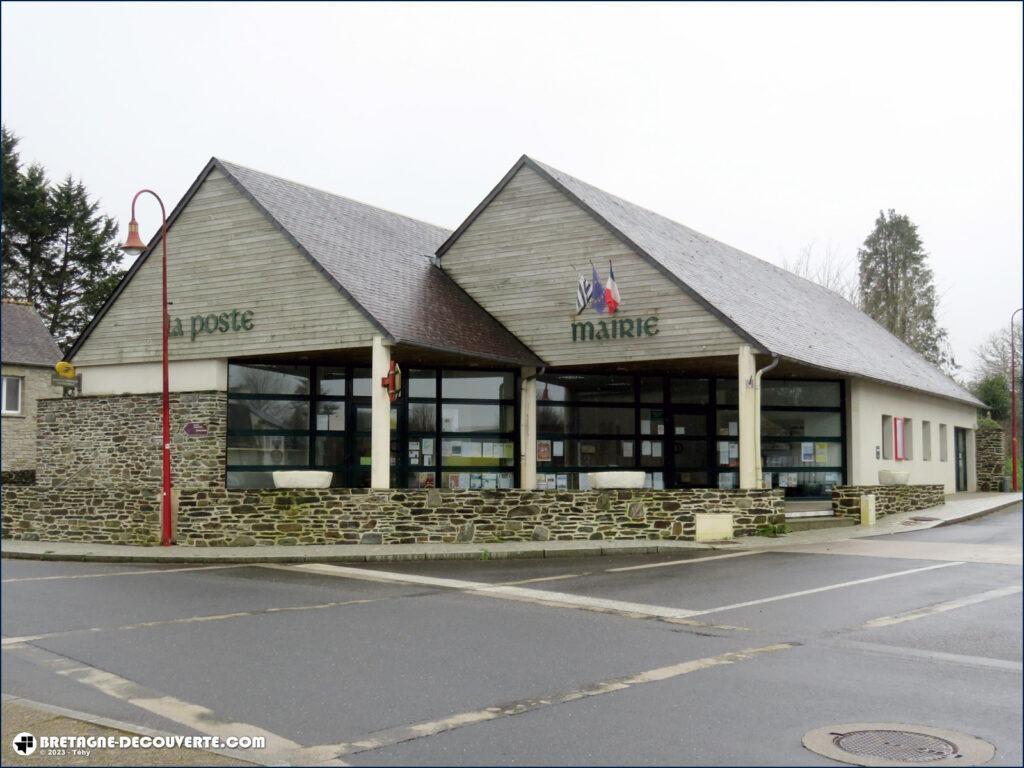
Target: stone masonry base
{"points": [[220, 517], [889, 499]]}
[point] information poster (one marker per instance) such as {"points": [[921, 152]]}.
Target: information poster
{"points": [[821, 454], [807, 452], [543, 450]]}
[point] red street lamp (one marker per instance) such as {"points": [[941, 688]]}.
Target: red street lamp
{"points": [[134, 246], [1013, 400]]}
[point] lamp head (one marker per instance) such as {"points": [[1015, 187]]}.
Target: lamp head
{"points": [[133, 246]]}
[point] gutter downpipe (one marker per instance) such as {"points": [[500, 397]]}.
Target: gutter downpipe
{"points": [[759, 477]]}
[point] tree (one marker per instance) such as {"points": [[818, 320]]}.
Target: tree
{"points": [[827, 270], [897, 288], [994, 392], [59, 251]]}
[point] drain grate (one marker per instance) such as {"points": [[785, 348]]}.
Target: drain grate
{"points": [[903, 746]]}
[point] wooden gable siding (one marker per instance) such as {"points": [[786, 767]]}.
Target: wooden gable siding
{"points": [[517, 260], [224, 254]]}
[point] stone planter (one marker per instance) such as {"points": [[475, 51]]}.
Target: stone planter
{"points": [[893, 477], [601, 480], [302, 479]]}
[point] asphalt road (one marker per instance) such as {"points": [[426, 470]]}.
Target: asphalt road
{"points": [[599, 660]]}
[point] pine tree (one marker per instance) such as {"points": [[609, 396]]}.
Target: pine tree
{"points": [[897, 287]]}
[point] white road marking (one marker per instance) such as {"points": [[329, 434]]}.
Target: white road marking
{"points": [[542, 597], [193, 716], [952, 605], [997, 554], [918, 653], [126, 573], [682, 562], [816, 590], [543, 578], [9, 642], [399, 734]]}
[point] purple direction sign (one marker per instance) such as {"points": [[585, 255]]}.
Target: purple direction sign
{"points": [[195, 429]]}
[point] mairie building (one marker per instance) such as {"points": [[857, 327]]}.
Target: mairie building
{"points": [[559, 331]]}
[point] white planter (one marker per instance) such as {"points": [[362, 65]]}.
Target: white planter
{"points": [[616, 479], [302, 479], [893, 477]]}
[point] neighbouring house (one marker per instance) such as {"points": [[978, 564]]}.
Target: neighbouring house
{"points": [[28, 354]]}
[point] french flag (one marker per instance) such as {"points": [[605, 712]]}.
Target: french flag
{"points": [[611, 292]]}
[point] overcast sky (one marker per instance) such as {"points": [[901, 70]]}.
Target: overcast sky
{"points": [[769, 127]]}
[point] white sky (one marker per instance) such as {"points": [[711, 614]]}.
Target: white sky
{"points": [[766, 126]]}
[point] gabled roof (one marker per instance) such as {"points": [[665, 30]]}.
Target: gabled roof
{"points": [[774, 309], [380, 261], [25, 340]]}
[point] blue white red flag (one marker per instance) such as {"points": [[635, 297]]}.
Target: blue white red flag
{"points": [[611, 291]]}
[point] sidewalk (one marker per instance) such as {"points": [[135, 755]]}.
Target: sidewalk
{"points": [[957, 508], [23, 716]]}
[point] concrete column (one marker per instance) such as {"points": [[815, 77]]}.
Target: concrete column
{"points": [[747, 366], [528, 429], [380, 417]]}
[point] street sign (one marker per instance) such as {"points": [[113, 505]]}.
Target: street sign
{"points": [[196, 429]]}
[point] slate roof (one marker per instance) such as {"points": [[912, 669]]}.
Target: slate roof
{"points": [[380, 261], [773, 308], [25, 340]]}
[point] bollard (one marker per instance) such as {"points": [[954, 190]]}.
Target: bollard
{"points": [[867, 509]]}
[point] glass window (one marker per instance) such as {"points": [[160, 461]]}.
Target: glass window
{"points": [[250, 480], [331, 381], [476, 480], [463, 417], [585, 453], [422, 451], [728, 423], [476, 452], [361, 382], [690, 454], [330, 416], [652, 390], [806, 484], [268, 450], [585, 388], [477, 385], [728, 453], [651, 453], [690, 391], [11, 394], [268, 414], [330, 451], [725, 392], [688, 478], [422, 384], [690, 424], [800, 423], [421, 480], [422, 417], [604, 421], [800, 393], [652, 421], [268, 379], [364, 418], [799, 454]]}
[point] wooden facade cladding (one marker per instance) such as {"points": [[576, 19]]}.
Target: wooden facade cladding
{"points": [[519, 259], [223, 255]]}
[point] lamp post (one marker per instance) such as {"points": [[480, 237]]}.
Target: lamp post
{"points": [[1013, 399], [134, 246]]}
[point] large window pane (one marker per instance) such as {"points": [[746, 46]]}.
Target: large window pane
{"points": [[421, 480], [798, 454], [331, 381], [806, 393], [728, 453], [361, 382], [364, 418], [688, 478], [652, 421], [268, 379], [422, 384], [585, 388], [422, 451], [422, 417], [690, 424], [268, 450], [487, 481], [477, 452], [479, 385], [652, 453], [690, 391], [608, 421], [330, 451], [574, 452], [727, 423], [462, 417], [726, 390], [800, 423], [806, 484], [652, 389], [690, 454], [330, 415], [268, 414]]}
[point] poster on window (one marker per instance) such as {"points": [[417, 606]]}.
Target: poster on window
{"points": [[807, 453], [543, 450]]}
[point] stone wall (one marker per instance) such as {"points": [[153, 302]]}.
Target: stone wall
{"points": [[990, 457], [92, 515], [18, 477], [889, 499], [219, 517], [114, 442], [18, 431]]}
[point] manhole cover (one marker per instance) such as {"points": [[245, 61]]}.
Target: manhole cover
{"points": [[905, 746], [897, 744]]}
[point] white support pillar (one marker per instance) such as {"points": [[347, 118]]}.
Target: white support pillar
{"points": [[380, 418], [528, 429], [747, 367]]}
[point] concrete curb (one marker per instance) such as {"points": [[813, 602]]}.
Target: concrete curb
{"points": [[980, 513]]}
